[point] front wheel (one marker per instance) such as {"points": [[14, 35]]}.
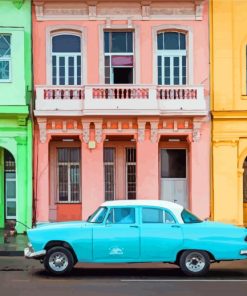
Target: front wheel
{"points": [[194, 263], [58, 261]]}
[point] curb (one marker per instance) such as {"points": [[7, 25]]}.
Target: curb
{"points": [[12, 253]]}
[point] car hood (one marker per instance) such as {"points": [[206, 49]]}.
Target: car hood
{"points": [[61, 224]]}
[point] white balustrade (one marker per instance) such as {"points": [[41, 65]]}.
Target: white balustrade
{"points": [[121, 99], [59, 98]]}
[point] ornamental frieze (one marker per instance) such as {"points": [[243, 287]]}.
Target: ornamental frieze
{"points": [[103, 10]]}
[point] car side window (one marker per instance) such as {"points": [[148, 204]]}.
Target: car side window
{"points": [[152, 215], [121, 216]]}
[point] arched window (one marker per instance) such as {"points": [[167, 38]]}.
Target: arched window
{"points": [[66, 59], [171, 58]]}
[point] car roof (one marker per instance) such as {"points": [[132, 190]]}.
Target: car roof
{"points": [[144, 202]]}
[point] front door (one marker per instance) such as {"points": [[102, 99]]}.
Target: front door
{"points": [[10, 186], [118, 239], [10, 195], [173, 181]]}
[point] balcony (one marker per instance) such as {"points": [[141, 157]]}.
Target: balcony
{"points": [[120, 100]]}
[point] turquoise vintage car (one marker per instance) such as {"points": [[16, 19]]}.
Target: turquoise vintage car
{"points": [[137, 231]]}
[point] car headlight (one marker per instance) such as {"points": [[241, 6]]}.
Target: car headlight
{"points": [[29, 245]]}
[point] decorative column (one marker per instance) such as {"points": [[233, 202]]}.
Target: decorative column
{"points": [[240, 197], [92, 167], [2, 206], [42, 174], [225, 181], [147, 173], [199, 173], [22, 205]]}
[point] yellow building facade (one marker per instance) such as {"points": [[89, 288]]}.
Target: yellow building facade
{"points": [[228, 42]]}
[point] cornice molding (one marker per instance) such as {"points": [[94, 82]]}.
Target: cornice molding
{"points": [[103, 10], [225, 142], [231, 114]]}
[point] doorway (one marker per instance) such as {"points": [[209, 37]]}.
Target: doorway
{"points": [[123, 75], [245, 192], [119, 168], [173, 182], [9, 186]]}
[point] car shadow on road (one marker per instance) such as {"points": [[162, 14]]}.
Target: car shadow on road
{"points": [[143, 273]]}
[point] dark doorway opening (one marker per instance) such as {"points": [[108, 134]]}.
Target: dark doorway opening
{"points": [[123, 75]]}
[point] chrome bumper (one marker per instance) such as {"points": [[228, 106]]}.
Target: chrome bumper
{"points": [[29, 253], [243, 252]]}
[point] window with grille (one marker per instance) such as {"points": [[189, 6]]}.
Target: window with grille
{"points": [[119, 57], [109, 171], [68, 167], [171, 58], [66, 60], [5, 57], [131, 173]]}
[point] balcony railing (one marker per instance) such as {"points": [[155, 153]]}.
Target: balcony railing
{"points": [[120, 93], [121, 99], [58, 98]]}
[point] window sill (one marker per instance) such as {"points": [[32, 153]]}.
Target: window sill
{"points": [[5, 81], [68, 203]]}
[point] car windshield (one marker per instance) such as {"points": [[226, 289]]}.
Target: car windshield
{"points": [[98, 216], [188, 217]]}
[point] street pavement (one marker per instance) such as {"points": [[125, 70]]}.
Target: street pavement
{"points": [[19, 276]]}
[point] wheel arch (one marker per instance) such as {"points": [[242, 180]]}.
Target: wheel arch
{"points": [[60, 243], [211, 256]]}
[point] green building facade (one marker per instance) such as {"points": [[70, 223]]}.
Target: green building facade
{"points": [[15, 121]]}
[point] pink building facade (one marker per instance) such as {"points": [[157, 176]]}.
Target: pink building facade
{"points": [[121, 105]]}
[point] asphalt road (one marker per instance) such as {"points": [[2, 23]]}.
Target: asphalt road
{"points": [[19, 276]]}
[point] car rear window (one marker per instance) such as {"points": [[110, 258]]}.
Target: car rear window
{"points": [[153, 215], [188, 217]]}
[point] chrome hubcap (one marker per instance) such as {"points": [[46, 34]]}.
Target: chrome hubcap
{"points": [[58, 261], [195, 262]]}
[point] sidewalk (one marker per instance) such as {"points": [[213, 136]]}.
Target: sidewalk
{"points": [[12, 245]]}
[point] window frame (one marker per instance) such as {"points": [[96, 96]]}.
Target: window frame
{"points": [[7, 59], [111, 54], [186, 161], [68, 201], [161, 209], [66, 57], [76, 30], [112, 164], [172, 54], [112, 208], [188, 30], [127, 164], [136, 49]]}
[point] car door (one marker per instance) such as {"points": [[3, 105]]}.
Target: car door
{"points": [[161, 236], [118, 239]]}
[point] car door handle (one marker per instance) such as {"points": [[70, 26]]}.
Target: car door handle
{"points": [[134, 226], [175, 226]]}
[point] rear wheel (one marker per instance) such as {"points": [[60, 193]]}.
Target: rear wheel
{"points": [[194, 263], [58, 261]]}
